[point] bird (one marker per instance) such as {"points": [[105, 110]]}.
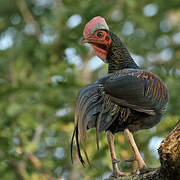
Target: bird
{"points": [[126, 99]]}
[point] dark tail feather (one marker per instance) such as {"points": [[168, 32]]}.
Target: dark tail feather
{"points": [[83, 121], [84, 102], [90, 107], [97, 135], [82, 140], [72, 144], [87, 97], [97, 126], [78, 147], [81, 99]]}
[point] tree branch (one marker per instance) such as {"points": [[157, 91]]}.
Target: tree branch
{"points": [[169, 153], [28, 17]]}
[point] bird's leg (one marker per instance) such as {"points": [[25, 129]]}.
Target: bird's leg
{"points": [[137, 155], [110, 140]]}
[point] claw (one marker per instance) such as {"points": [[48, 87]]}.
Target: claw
{"points": [[137, 172], [145, 170], [119, 174]]}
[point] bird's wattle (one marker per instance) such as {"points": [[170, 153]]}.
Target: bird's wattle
{"points": [[100, 51]]}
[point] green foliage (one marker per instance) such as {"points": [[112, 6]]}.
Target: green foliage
{"points": [[40, 78]]}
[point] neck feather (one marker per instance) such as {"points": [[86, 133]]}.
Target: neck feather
{"points": [[118, 57]]}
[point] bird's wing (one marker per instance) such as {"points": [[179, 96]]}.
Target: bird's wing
{"points": [[137, 89]]}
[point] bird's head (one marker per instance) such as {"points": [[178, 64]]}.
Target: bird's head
{"points": [[97, 35]]}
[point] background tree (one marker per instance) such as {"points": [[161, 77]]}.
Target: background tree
{"points": [[42, 67]]}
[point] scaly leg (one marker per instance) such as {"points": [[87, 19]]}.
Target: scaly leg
{"points": [[110, 140], [137, 155]]}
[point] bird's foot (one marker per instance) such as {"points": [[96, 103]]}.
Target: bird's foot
{"points": [[141, 170], [145, 169], [142, 166], [118, 173]]}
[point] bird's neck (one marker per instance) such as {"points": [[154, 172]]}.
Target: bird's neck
{"points": [[118, 57]]}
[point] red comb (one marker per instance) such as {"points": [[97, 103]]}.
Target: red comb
{"points": [[95, 23]]}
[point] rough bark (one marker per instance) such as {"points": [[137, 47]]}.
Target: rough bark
{"points": [[169, 155]]}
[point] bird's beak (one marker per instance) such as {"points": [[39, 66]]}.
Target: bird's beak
{"points": [[85, 40]]}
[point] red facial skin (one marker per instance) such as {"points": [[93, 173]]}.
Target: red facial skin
{"points": [[100, 40]]}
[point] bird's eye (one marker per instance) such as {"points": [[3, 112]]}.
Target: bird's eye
{"points": [[100, 34]]}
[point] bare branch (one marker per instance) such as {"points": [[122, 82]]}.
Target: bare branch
{"points": [[37, 134], [28, 17]]}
